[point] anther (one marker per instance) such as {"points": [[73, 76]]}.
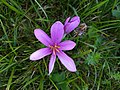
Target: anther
{"points": [[55, 48]]}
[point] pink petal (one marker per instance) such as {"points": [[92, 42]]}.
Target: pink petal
{"points": [[43, 37], [57, 31], [75, 18], [67, 45], [74, 22], [67, 20], [40, 54], [51, 63], [67, 61]]}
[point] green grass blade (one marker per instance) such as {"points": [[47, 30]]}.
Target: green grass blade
{"points": [[10, 80], [41, 8], [4, 30], [7, 67], [95, 8], [11, 7], [32, 80]]}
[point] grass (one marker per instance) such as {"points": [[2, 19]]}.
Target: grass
{"points": [[96, 55]]}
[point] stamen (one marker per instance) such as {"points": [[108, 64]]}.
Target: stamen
{"points": [[54, 51], [51, 47], [55, 48]]}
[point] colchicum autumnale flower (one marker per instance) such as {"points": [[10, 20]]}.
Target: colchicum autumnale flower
{"points": [[54, 47], [71, 24]]}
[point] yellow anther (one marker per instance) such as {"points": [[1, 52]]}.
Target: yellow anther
{"points": [[55, 48]]}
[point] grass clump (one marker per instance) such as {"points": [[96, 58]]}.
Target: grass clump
{"points": [[97, 51]]}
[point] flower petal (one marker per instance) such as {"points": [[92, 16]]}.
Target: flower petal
{"points": [[75, 18], [51, 63], [67, 20], [74, 22], [57, 31], [67, 61], [40, 54], [67, 45], [43, 37]]}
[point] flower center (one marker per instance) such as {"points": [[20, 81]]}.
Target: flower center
{"points": [[55, 48]]}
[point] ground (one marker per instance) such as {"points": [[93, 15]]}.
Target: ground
{"points": [[96, 55]]}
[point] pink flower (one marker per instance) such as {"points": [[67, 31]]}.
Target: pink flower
{"points": [[71, 24], [54, 47]]}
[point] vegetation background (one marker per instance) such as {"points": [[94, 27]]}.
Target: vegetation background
{"points": [[96, 55]]}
